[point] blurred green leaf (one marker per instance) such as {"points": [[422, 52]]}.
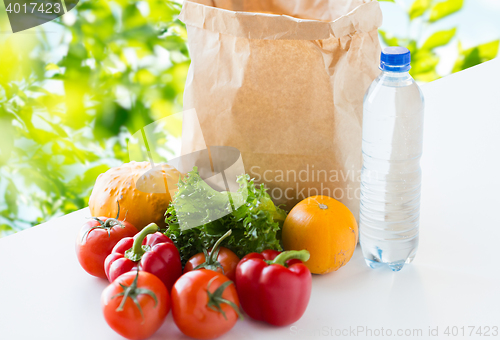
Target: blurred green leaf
{"points": [[11, 194], [438, 39], [423, 62], [418, 8], [5, 229], [445, 8], [6, 138], [412, 46], [386, 0], [52, 67], [86, 181], [476, 55], [57, 128], [91, 174]]}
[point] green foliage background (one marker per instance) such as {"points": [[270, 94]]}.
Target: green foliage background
{"points": [[423, 16], [68, 107]]}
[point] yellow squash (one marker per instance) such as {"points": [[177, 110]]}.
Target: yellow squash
{"points": [[143, 193]]}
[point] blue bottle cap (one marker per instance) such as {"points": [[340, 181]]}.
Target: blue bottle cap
{"points": [[395, 59]]}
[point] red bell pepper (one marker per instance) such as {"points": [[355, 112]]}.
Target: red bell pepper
{"points": [[149, 250], [274, 287]]}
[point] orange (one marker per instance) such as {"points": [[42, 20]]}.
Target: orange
{"points": [[326, 228]]}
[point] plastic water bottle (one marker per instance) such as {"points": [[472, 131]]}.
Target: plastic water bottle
{"points": [[393, 113]]}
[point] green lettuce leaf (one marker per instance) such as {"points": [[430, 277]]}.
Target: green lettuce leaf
{"points": [[256, 224]]}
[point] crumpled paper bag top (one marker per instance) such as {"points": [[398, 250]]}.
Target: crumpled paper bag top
{"points": [[283, 19]]}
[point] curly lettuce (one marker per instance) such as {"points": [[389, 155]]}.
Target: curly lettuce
{"points": [[255, 224]]}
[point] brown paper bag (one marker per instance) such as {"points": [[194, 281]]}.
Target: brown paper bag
{"points": [[286, 89]]}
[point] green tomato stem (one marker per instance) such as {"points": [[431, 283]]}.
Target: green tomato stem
{"points": [[132, 292], [135, 253], [215, 299], [216, 246], [281, 259]]}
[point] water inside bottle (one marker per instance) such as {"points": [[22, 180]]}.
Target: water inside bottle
{"points": [[391, 174]]}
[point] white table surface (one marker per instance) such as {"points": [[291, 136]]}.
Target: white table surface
{"points": [[454, 280]]}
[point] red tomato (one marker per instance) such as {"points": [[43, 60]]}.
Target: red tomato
{"points": [[220, 259], [225, 259], [96, 240], [205, 304], [137, 319]]}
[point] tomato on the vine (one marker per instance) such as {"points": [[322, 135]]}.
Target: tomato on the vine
{"points": [[135, 305], [205, 304], [96, 240]]}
